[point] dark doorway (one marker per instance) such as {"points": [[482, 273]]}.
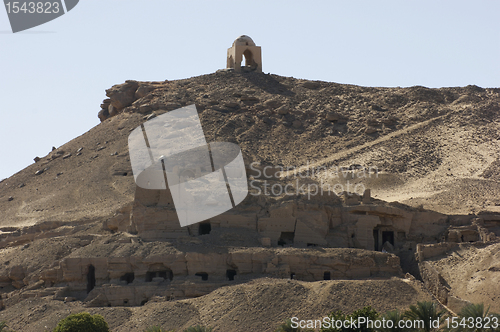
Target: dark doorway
{"points": [[90, 278], [292, 275], [388, 236], [203, 275], [375, 239], [165, 274], [326, 276], [230, 274], [128, 277], [150, 276], [204, 228], [286, 238]]}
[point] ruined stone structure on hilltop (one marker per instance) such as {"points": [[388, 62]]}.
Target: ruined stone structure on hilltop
{"points": [[244, 46]]}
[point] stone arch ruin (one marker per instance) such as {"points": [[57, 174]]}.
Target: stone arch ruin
{"points": [[244, 46]]}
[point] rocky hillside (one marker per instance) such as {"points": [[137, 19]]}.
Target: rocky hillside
{"points": [[436, 147], [260, 305]]}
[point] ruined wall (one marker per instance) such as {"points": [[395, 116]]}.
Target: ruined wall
{"points": [[190, 274], [357, 222]]}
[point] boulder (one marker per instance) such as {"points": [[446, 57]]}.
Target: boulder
{"points": [[333, 117], [273, 103], [297, 124], [283, 110], [144, 89], [122, 95], [105, 103], [16, 273], [103, 115]]}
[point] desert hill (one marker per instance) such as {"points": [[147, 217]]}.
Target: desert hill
{"points": [[436, 152], [430, 143]]}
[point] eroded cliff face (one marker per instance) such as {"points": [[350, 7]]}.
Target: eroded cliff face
{"points": [[74, 226]]}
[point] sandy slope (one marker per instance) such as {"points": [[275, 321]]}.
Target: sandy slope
{"points": [[473, 274], [260, 306]]}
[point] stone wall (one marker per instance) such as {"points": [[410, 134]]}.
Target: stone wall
{"points": [[324, 221], [189, 274]]}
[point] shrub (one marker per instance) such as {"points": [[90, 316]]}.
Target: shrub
{"points": [[395, 316], [478, 313], [426, 312], [82, 322]]}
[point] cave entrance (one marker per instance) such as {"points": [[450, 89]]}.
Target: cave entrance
{"points": [[165, 274], [90, 278], [388, 236], [286, 238], [230, 274], [326, 276], [203, 275], [128, 277], [204, 228]]}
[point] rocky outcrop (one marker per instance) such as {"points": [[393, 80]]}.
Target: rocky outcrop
{"points": [[123, 95]]}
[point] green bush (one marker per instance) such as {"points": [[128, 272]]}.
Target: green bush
{"points": [[82, 322], [478, 313], [366, 312], [395, 316], [427, 312]]}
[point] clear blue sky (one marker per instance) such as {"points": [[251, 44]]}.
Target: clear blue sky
{"points": [[53, 77]]}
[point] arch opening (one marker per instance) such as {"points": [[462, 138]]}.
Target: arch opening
{"points": [[249, 59]]}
